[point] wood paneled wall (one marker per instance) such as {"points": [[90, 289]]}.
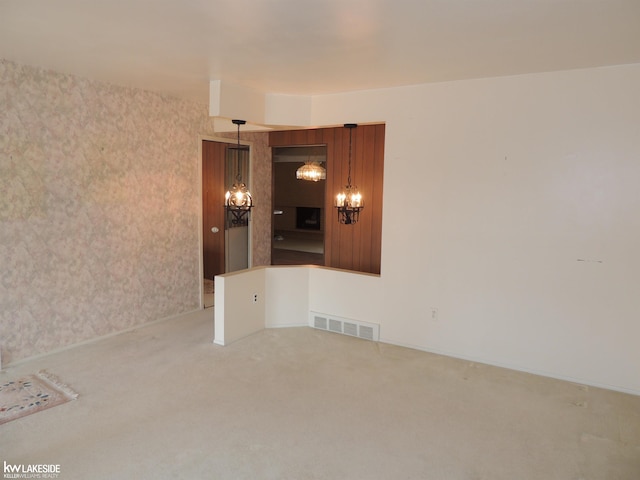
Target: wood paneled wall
{"points": [[354, 247]]}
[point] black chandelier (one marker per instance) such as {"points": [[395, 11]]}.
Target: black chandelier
{"points": [[349, 202], [238, 199]]}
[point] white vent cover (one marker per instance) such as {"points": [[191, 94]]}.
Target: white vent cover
{"points": [[345, 326]]}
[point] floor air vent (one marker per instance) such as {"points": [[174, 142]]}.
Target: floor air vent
{"points": [[320, 322], [354, 328]]}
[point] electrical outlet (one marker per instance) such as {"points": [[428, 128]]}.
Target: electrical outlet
{"points": [[255, 298], [434, 314]]}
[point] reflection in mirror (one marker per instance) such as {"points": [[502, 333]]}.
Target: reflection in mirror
{"points": [[299, 215], [236, 230]]}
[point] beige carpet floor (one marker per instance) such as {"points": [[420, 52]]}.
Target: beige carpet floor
{"points": [[163, 402]]}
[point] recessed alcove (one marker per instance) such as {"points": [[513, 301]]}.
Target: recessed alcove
{"points": [[356, 247]]}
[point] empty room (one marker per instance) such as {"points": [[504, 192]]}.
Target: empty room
{"points": [[320, 240]]}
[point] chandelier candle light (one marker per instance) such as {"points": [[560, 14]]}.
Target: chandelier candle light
{"points": [[238, 199], [349, 202]]}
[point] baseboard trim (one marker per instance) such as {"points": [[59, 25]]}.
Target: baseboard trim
{"points": [[97, 339], [515, 368], [288, 325]]}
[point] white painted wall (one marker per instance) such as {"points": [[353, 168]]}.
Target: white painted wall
{"points": [[526, 235], [287, 296], [236, 314], [527, 239], [356, 296]]}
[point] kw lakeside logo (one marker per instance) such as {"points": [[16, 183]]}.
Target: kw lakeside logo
{"points": [[38, 470]]}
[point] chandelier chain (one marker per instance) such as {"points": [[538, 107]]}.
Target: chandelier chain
{"points": [[238, 177], [349, 172]]}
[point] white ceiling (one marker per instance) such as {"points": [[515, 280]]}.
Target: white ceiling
{"points": [[309, 47]]}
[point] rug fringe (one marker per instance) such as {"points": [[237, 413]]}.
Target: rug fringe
{"points": [[56, 383]]}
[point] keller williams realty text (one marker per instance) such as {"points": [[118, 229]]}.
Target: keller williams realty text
{"points": [[31, 471]]}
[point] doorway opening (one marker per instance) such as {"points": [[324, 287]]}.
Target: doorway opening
{"points": [[299, 207]]}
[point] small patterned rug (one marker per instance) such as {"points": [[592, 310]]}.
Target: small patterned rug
{"points": [[31, 394]]}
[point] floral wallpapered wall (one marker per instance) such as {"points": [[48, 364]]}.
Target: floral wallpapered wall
{"points": [[99, 208]]}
